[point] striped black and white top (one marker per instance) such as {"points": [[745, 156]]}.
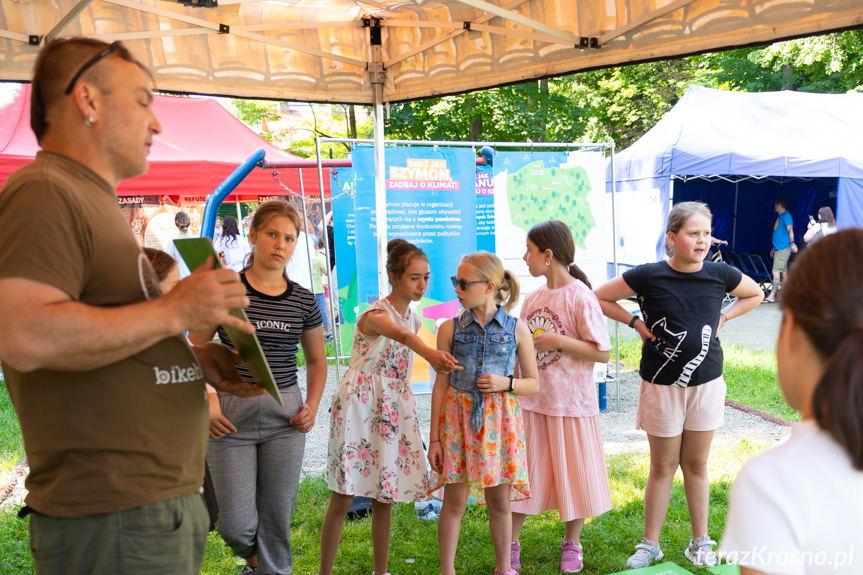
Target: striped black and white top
{"points": [[279, 322]]}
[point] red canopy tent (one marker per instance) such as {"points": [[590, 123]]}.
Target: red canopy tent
{"points": [[200, 145]]}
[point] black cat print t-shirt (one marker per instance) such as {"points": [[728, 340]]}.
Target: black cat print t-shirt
{"points": [[682, 311]]}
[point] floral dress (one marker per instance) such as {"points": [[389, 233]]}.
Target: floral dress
{"points": [[375, 447]]}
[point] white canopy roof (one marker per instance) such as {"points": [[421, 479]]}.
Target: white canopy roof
{"points": [[789, 134], [327, 50]]}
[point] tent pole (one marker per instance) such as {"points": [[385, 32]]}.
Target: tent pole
{"points": [[377, 75], [614, 256], [240, 218], [734, 229], [330, 276], [306, 221]]}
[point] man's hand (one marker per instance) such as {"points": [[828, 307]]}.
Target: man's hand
{"points": [[304, 420], [218, 361], [205, 298]]}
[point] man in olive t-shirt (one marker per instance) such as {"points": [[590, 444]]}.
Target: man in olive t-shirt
{"points": [[109, 395]]}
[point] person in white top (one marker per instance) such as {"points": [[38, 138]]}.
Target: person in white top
{"points": [[299, 267], [183, 223], [798, 509], [231, 246], [825, 226]]}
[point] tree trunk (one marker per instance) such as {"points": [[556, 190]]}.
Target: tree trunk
{"points": [[474, 127], [788, 76], [352, 122]]}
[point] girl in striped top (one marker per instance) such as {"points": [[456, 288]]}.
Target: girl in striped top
{"points": [[256, 448]]}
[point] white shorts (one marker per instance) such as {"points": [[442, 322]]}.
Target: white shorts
{"points": [[668, 410]]}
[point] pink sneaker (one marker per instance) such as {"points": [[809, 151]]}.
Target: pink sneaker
{"points": [[571, 557], [515, 555], [510, 572]]}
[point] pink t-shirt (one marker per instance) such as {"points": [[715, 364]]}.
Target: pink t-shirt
{"points": [[566, 384]]}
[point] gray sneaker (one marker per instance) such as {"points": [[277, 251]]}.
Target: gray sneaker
{"points": [[645, 554], [700, 552], [248, 570]]}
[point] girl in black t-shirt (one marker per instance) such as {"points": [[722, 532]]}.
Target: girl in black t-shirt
{"points": [[682, 398], [256, 447]]}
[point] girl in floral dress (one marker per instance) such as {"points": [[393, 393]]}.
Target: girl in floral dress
{"points": [[375, 447], [476, 441]]}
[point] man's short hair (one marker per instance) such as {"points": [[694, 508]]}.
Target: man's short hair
{"points": [[781, 201], [57, 63], [55, 67]]}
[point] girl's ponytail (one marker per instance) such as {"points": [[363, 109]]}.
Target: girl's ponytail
{"points": [[507, 293], [579, 274], [837, 403], [556, 236], [824, 293]]}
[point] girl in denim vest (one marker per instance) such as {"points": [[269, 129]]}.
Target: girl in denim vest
{"points": [[476, 442]]}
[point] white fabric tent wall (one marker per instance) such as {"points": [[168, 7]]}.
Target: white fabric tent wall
{"points": [[780, 134]]}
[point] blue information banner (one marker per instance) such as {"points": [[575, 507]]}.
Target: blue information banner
{"points": [[431, 202], [344, 230], [485, 209]]}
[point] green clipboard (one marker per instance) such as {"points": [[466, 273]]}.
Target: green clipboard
{"points": [[195, 252]]}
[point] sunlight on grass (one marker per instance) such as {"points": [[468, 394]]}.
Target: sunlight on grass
{"points": [[608, 540], [749, 373], [11, 447]]}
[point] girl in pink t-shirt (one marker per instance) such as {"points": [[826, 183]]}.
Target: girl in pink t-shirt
{"points": [[565, 458]]}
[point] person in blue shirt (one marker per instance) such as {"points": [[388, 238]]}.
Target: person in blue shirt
{"points": [[783, 245]]}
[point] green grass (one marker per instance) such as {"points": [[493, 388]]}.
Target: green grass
{"points": [[11, 447], [608, 540], [749, 373], [331, 353]]}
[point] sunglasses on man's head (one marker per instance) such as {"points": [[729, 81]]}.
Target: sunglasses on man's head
{"points": [[463, 284], [116, 47]]}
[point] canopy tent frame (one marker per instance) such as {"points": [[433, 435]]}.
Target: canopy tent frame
{"points": [[380, 197], [321, 52]]}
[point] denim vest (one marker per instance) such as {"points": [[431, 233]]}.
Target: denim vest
{"points": [[481, 350]]}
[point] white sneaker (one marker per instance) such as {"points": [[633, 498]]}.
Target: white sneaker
{"points": [[700, 552], [645, 554]]}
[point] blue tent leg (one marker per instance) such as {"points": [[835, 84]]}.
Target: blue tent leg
{"points": [[211, 209]]}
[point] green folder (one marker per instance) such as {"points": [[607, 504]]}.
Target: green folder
{"points": [[667, 568], [195, 252], [726, 569]]}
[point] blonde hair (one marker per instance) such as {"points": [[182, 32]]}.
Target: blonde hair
{"points": [[678, 216], [490, 268]]}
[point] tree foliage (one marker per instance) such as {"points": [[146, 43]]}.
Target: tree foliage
{"points": [[619, 104]]}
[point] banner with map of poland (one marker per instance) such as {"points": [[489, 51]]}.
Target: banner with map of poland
{"points": [[533, 187]]}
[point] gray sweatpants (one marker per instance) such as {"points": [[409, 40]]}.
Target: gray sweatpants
{"points": [[256, 474]]}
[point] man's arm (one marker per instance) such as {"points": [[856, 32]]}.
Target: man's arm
{"points": [[790, 228], [41, 327]]}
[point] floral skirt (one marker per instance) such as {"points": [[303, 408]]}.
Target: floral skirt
{"points": [[495, 455], [375, 447]]}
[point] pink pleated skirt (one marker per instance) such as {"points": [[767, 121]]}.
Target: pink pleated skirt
{"points": [[566, 467]]}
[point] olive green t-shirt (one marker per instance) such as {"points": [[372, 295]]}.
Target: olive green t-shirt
{"points": [[126, 434]]}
